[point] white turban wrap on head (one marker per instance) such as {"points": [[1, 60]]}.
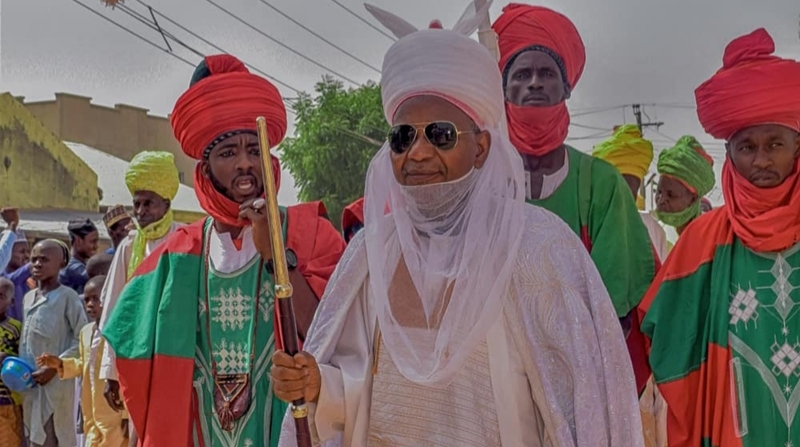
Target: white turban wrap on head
{"points": [[458, 240]]}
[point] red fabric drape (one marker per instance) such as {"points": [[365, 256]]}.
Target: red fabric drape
{"points": [[765, 219]]}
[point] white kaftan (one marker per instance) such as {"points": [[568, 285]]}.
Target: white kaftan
{"points": [[560, 371]]}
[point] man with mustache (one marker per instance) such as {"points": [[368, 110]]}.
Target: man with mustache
{"points": [[722, 313], [459, 316], [194, 329], [542, 58], [153, 182]]}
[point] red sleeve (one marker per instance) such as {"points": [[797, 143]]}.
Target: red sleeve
{"points": [[316, 242]]}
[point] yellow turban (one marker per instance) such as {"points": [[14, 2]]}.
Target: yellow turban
{"points": [[627, 151], [153, 171]]}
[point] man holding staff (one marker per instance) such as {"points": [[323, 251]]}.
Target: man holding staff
{"points": [[459, 316], [214, 279]]}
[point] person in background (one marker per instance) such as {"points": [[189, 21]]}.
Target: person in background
{"points": [[102, 425], [17, 269], [54, 316], [117, 222], [722, 313], [10, 402], [83, 237], [542, 57], [153, 181], [632, 154], [99, 264], [352, 219], [686, 175]]}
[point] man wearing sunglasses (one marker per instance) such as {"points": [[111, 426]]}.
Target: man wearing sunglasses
{"points": [[452, 319], [541, 59]]}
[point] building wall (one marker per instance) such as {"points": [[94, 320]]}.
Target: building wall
{"points": [[122, 130], [36, 169]]}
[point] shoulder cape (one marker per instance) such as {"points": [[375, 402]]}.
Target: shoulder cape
{"points": [[689, 352], [152, 328]]}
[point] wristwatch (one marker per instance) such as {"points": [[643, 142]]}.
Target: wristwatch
{"points": [[291, 262]]}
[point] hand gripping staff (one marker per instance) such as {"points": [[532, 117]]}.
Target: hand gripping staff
{"points": [[283, 287]]}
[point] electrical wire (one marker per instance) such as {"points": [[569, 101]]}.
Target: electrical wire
{"points": [[283, 45], [216, 47], [139, 36], [351, 55], [365, 21]]}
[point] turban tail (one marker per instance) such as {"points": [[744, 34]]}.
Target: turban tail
{"points": [[153, 171], [627, 151], [539, 130], [753, 87], [689, 163], [223, 100]]}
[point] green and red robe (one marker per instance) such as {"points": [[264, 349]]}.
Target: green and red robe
{"points": [[725, 333], [596, 202], [153, 328]]}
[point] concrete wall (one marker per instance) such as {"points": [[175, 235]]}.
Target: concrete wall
{"points": [[36, 169], [122, 131]]}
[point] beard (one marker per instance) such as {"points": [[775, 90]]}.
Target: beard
{"points": [[224, 190]]}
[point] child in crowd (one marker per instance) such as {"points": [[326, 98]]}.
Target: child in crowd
{"points": [[102, 426], [54, 316], [10, 403]]}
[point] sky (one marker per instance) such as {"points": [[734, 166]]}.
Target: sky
{"points": [[652, 52]]}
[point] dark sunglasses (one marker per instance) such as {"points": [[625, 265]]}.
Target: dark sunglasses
{"points": [[442, 135]]}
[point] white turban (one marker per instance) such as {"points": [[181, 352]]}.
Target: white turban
{"points": [[458, 239], [445, 64]]}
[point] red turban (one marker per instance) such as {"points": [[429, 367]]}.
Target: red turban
{"points": [[753, 87], [225, 100], [539, 130], [524, 26]]}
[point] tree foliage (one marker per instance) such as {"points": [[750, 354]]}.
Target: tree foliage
{"points": [[337, 132]]}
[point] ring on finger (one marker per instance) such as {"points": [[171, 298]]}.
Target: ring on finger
{"points": [[258, 204]]}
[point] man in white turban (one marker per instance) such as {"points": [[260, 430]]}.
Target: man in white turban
{"points": [[459, 316]]}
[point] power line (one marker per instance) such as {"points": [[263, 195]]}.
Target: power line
{"points": [[139, 36], [364, 20], [245, 23], [372, 67], [584, 126], [216, 47]]}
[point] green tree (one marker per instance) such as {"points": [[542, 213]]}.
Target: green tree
{"points": [[337, 132]]}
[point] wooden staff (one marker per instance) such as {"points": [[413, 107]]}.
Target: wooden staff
{"points": [[283, 287]]}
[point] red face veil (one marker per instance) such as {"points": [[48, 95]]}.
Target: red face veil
{"points": [[539, 130], [224, 99]]}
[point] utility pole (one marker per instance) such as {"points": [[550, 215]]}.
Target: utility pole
{"points": [[637, 112]]}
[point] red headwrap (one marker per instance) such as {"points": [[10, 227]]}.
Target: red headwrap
{"points": [[753, 87], [539, 130], [227, 100]]}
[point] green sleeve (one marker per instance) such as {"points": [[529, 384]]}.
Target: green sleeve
{"points": [[621, 247]]}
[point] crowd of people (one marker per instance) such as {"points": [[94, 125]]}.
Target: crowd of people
{"points": [[494, 286]]}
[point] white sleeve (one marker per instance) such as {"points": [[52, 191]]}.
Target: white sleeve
{"points": [[7, 240], [115, 282]]}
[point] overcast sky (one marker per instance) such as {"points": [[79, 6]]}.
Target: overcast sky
{"points": [[639, 51]]}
